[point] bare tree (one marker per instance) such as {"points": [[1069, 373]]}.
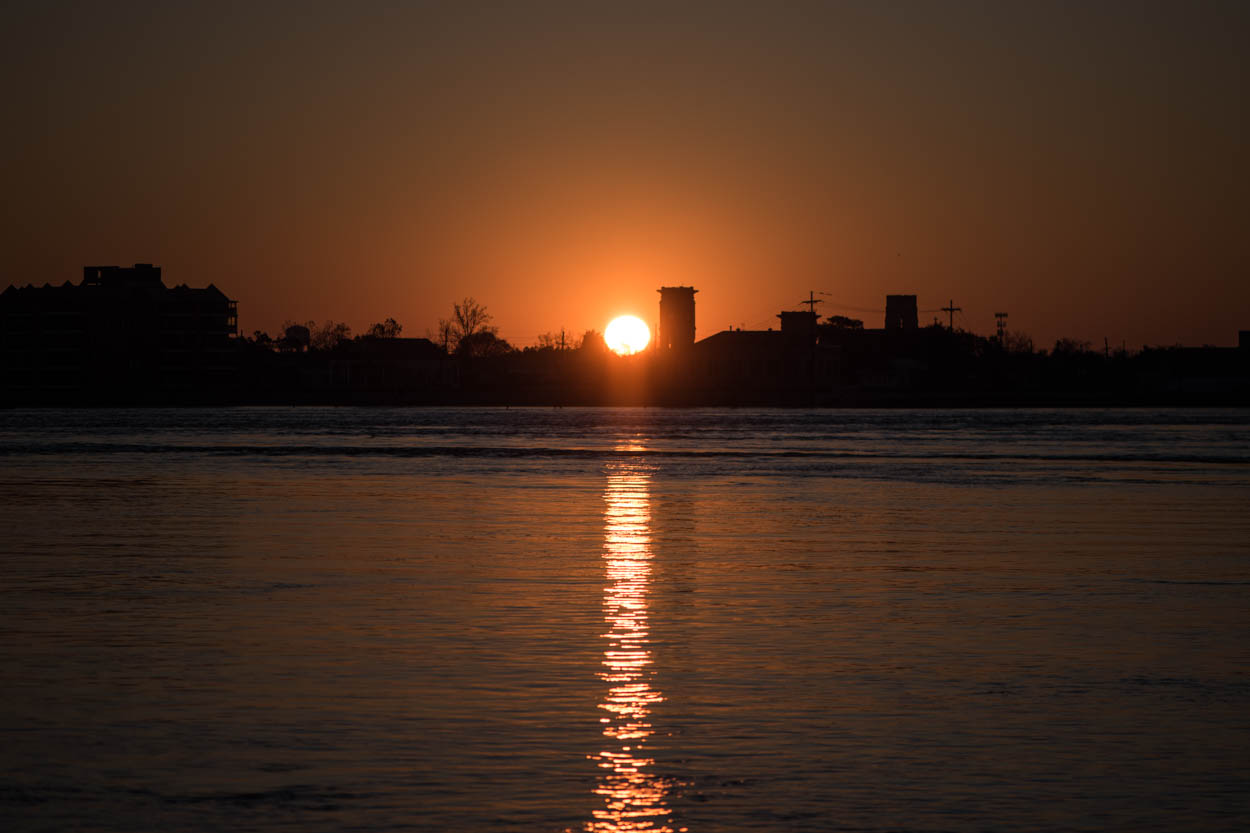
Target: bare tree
{"points": [[554, 341], [1018, 342], [329, 335], [443, 335], [1071, 347], [390, 328], [468, 319]]}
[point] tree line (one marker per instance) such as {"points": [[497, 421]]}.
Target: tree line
{"points": [[468, 332]]}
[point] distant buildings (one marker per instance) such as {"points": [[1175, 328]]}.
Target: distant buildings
{"points": [[810, 362], [781, 366], [118, 332], [122, 337]]}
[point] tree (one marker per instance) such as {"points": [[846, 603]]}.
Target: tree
{"points": [[841, 322], [468, 318], [1071, 347], [553, 341], [390, 328], [329, 335], [471, 318], [483, 344], [1015, 341], [443, 335], [591, 341]]}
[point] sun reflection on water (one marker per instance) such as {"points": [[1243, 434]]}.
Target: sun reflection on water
{"points": [[634, 798]]}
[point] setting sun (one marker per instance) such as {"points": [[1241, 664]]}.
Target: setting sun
{"points": [[627, 335]]}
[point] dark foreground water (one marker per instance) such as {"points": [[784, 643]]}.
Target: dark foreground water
{"points": [[612, 620]]}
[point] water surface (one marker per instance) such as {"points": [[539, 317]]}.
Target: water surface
{"points": [[634, 619]]}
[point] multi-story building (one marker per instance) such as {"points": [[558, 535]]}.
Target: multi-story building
{"points": [[119, 334]]}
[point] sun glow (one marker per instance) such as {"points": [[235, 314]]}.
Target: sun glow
{"points": [[627, 335]]}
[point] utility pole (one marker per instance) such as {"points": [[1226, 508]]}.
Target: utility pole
{"points": [[1002, 328], [952, 309], [812, 301]]}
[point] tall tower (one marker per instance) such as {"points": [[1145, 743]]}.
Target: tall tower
{"points": [[901, 312], [676, 317]]}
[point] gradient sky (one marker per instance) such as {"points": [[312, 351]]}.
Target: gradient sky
{"points": [[1081, 166]]}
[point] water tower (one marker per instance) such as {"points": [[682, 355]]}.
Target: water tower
{"points": [[676, 317]]}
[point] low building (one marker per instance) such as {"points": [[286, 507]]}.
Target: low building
{"points": [[761, 366], [399, 370]]}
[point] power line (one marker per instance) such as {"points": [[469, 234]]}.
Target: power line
{"points": [[851, 308]]}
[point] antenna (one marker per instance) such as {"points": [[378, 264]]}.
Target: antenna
{"points": [[812, 301]]}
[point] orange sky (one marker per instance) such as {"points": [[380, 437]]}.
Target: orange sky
{"points": [[1083, 170]]}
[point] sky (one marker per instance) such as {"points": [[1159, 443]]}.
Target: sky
{"points": [[1082, 167]]}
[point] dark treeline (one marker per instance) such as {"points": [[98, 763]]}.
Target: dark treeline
{"points": [[930, 366], [123, 338]]}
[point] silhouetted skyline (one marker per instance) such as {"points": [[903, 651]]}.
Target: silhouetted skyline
{"points": [[122, 337], [1080, 168]]}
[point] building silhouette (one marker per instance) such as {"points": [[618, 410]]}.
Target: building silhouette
{"points": [[676, 318], [901, 312], [122, 337], [779, 366], [379, 368], [119, 334], [798, 325]]}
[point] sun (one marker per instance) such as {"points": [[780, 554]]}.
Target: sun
{"points": [[626, 335]]}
